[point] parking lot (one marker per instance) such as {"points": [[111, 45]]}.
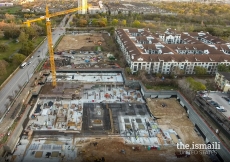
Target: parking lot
{"points": [[217, 97]]}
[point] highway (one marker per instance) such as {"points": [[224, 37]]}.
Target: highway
{"points": [[22, 75]]}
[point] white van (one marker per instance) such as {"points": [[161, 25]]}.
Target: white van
{"points": [[23, 65]]}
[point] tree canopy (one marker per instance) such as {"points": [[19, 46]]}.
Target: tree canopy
{"points": [[18, 58], [200, 70], [195, 85], [223, 68]]}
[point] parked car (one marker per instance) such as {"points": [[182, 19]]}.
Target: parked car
{"points": [[207, 98], [222, 110], [226, 98], [202, 94]]}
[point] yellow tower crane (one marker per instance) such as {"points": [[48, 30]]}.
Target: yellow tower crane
{"points": [[49, 35]]}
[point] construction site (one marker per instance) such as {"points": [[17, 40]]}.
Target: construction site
{"points": [[85, 120], [96, 115]]}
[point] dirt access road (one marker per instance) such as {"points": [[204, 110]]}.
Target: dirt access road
{"points": [[110, 149]]}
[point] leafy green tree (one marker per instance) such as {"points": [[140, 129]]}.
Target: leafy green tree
{"points": [[94, 22], [222, 68], [136, 24], [128, 70], [31, 32], [27, 48], [194, 85], [123, 23], [18, 58], [200, 70], [114, 22], [23, 38], [4, 47]]}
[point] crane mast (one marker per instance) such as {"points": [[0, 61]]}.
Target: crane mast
{"points": [[50, 46], [49, 36]]}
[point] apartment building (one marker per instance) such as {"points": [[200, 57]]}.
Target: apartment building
{"points": [[222, 80], [162, 52]]}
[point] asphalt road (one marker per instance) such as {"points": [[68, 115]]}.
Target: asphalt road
{"points": [[22, 76], [217, 97]]}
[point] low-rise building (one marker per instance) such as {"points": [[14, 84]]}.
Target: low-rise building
{"points": [[162, 52], [222, 81]]}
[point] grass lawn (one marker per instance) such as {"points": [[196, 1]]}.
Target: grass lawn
{"points": [[161, 87], [11, 9], [13, 47]]}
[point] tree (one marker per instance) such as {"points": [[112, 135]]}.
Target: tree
{"points": [[222, 68], [136, 24], [114, 22], [128, 70], [142, 75], [123, 23], [9, 17], [94, 22], [18, 58], [23, 37], [4, 47], [82, 22], [102, 23], [27, 48], [194, 85], [177, 71], [11, 31], [200, 70], [3, 67], [31, 32], [3, 25]]}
